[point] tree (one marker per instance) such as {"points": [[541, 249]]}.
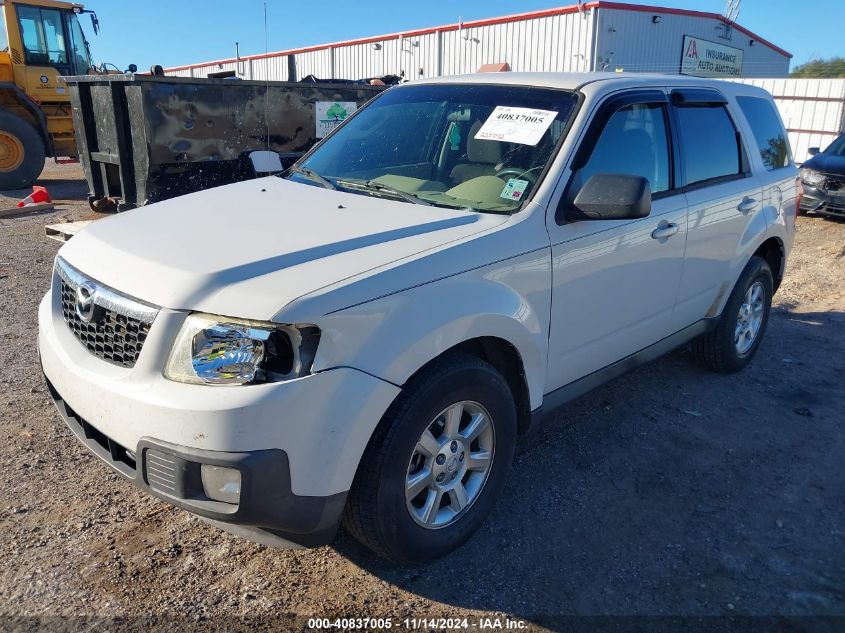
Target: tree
{"points": [[833, 67], [336, 112]]}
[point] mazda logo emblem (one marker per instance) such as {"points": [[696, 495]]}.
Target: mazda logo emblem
{"points": [[85, 306]]}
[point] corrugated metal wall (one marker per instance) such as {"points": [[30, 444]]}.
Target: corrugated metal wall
{"points": [[566, 39], [551, 43], [630, 40], [556, 43], [813, 110]]}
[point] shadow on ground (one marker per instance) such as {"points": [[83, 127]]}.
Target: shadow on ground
{"points": [[706, 504]]}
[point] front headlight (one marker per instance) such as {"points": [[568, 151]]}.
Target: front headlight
{"points": [[222, 351], [811, 177]]}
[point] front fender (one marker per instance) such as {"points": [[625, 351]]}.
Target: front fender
{"points": [[394, 336]]}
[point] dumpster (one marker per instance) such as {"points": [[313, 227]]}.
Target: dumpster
{"points": [[143, 138]]}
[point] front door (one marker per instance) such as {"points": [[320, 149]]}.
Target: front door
{"points": [[615, 281]]}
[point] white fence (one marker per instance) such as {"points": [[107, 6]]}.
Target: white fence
{"points": [[813, 110]]}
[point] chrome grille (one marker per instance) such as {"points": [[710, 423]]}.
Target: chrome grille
{"points": [[118, 326]]}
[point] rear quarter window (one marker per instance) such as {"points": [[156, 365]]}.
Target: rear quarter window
{"points": [[768, 131]]}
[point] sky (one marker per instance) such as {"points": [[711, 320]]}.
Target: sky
{"points": [[179, 32]]}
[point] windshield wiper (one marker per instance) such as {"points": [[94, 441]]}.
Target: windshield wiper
{"points": [[313, 175], [372, 185]]}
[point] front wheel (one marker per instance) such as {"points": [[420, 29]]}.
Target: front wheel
{"points": [[732, 344], [21, 152], [432, 469]]}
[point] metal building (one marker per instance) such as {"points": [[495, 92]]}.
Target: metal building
{"points": [[595, 35]]}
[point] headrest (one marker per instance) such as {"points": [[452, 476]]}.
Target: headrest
{"points": [[487, 152]]}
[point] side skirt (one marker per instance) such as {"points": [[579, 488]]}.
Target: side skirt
{"points": [[558, 397]]}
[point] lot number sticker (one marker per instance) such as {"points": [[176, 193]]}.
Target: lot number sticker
{"points": [[516, 125], [330, 114]]}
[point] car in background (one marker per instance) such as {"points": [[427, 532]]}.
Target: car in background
{"points": [[823, 178]]}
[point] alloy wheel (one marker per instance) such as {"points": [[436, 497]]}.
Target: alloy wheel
{"points": [[450, 465], [750, 318]]}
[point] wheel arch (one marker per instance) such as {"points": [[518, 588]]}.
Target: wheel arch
{"points": [[774, 252], [506, 359]]}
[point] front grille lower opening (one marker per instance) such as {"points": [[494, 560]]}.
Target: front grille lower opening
{"points": [[117, 452]]}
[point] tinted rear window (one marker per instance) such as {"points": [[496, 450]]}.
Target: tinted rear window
{"points": [[710, 147], [768, 131]]}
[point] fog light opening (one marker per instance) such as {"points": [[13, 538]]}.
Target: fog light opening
{"points": [[221, 484]]}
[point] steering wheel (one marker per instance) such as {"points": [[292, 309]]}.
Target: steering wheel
{"points": [[516, 172]]}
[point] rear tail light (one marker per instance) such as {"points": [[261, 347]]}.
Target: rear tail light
{"points": [[799, 193]]}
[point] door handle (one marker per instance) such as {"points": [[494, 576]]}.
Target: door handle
{"points": [[747, 204], [664, 231]]}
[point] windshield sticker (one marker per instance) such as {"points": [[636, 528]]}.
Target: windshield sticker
{"points": [[516, 125], [330, 114], [514, 189]]}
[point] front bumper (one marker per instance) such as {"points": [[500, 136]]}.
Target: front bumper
{"points": [[267, 511], [296, 444], [815, 200]]}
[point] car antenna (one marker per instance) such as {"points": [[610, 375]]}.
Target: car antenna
{"points": [[267, 69]]}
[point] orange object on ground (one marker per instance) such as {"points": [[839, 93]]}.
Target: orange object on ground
{"points": [[39, 195]]}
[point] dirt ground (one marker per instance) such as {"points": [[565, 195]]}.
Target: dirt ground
{"points": [[669, 492]]}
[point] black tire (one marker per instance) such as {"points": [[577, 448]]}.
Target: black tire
{"points": [[25, 173], [717, 350], [376, 513]]}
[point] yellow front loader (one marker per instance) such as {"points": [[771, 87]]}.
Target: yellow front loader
{"points": [[40, 41]]}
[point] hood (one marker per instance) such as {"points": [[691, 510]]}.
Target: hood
{"points": [[827, 163], [249, 249]]}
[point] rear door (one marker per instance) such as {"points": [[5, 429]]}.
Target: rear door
{"points": [[723, 195]]}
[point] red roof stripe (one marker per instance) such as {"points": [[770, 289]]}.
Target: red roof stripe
{"points": [[598, 4]]}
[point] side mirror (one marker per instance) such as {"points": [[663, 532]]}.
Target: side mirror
{"points": [[612, 197], [813, 151], [132, 68], [264, 162]]}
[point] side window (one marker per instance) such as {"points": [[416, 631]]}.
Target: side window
{"points": [[43, 35], [768, 131], [709, 142], [4, 41], [633, 142]]}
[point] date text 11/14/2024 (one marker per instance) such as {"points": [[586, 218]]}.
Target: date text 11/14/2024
{"points": [[422, 623]]}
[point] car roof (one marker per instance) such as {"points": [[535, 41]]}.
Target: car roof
{"points": [[594, 81]]}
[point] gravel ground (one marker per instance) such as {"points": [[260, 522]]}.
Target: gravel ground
{"points": [[669, 492]]}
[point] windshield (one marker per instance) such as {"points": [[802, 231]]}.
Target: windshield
{"points": [[837, 148], [477, 147]]}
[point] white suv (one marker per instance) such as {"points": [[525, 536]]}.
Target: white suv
{"points": [[362, 339]]}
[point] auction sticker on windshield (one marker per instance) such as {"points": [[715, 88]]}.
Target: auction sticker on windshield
{"points": [[516, 125], [514, 189]]}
